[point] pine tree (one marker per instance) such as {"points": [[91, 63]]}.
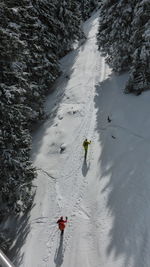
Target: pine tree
{"points": [[115, 31], [69, 27], [140, 71], [123, 37], [87, 6], [15, 170], [45, 50]]}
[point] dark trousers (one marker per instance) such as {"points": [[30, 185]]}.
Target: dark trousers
{"points": [[85, 155]]}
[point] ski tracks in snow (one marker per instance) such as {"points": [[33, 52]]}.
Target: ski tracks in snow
{"points": [[66, 188], [72, 176], [72, 206]]}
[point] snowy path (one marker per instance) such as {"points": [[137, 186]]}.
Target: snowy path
{"points": [[105, 199]]}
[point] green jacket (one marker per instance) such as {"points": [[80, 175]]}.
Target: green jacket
{"points": [[86, 143]]}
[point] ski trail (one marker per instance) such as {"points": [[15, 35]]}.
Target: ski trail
{"points": [[67, 173], [88, 128]]}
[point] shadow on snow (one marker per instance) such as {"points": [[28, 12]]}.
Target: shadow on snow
{"points": [[58, 259], [125, 160], [20, 230], [54, 101], [85, 167]]}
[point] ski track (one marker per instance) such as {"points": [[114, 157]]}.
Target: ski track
{"points": [[71, 175]]}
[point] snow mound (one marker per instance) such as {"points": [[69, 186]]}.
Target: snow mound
{"points": [[62, 148]]}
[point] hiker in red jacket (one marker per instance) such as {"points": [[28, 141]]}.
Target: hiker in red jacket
{"points": [[61, 224]]}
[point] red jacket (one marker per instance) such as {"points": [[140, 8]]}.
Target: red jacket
{"points": [[61, 224]]}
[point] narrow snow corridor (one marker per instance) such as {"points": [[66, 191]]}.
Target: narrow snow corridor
{"points": [[105, 198]]}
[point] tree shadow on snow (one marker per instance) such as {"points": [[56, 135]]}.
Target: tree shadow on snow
{"points": [[58, 259], [125, 166], [53, 101], [20, 229]]}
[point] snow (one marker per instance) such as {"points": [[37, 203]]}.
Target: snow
{"points": [[106, 198]]}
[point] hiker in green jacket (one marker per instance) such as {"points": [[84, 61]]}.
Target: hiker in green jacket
{"points": [[85, 145]]}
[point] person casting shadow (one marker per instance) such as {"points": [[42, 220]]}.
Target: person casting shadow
{"points": [[85, 144], [62, 224]]}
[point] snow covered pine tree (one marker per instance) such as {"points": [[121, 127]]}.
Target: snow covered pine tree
{"points": [[115, 31], [123, 37], [140, 71]]}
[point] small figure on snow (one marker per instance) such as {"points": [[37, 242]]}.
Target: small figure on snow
{"points": [[108, 119], [86, 143], [61, 224]]}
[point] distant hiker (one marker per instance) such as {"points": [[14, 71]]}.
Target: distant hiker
{"points": [[61, 224], [108, 119], [85, 145]]}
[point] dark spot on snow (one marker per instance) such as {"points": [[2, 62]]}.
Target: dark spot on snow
{"points": [[108, 119], [60, 117]]}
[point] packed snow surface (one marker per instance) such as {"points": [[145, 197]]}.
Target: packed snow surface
{"points": [[106, 198]]}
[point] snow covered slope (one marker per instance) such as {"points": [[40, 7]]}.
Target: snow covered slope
{"points": [[106, 198]]}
